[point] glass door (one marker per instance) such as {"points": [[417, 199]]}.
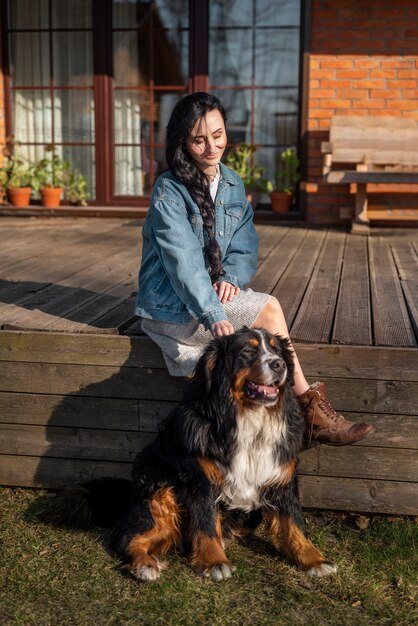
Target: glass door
{"points": [[51, 80], [150, 72]]}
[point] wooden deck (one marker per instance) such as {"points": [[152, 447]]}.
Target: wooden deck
{"points": [[81, 391]]}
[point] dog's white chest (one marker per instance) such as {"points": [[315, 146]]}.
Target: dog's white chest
{"points": [[254, 464]]}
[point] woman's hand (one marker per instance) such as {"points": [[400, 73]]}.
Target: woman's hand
{"points": [[218, 329], [226, 292]]}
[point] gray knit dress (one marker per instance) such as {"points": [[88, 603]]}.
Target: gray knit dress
{"points": [[183, 344]]}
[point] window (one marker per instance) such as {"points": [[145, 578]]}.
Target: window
{"points": [[50, 89], [98, 78]]}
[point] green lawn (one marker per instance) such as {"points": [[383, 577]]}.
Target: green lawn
{"points": [[56, 576]]}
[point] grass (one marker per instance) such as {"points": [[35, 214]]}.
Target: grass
{"points": [[55, 576]]}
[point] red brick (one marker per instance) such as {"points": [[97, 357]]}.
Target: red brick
{"points": [[367, 63], [320, 113], [352, 93], [369, 84], [408, 74], [383, 74], [411, 114], [322, 74], [313, 103], [353, 112], [352, 74], [335, 104], [391, 113], [314, 84], [385, 93], [322, 93], [312, 124], [402, 84], [410, 93], [369, 104], [335, 84], [336, 64], [403, 105], [397, 63]]}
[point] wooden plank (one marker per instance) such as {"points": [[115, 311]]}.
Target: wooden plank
{"points": [[72, 443], [406, 260], [373, 396], [91, 381], [356, 362], [62, 300], [52, 473], [117, 320], [361, 462], [352, 324], [270, 236], [75, 411], [388, 178], [103, 303], [292, 284], [314, 319], [354, 494], [391, 321], [352, 362], [364, 396], [272, 268]]}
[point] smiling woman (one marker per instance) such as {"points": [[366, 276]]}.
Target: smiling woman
{"points": [[200, 250]]}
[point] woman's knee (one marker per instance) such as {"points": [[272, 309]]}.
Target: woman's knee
{"points": [[271, 317]]}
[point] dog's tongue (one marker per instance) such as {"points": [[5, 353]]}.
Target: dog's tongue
{"points": [[265, 389], [271, 391]]}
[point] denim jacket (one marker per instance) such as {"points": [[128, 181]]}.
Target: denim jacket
{"points": [[174, 283]]}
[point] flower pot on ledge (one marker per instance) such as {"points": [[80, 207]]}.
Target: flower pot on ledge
{"points": [[280, 201], [19, 196], [51, 196]]}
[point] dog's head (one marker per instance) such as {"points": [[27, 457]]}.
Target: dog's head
{"points": [[252, 364]]}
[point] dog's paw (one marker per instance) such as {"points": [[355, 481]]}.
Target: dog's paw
{"points": [[217, 571], [145, 572], [323, 569]]}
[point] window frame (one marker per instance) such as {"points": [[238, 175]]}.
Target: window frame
{"points": [[103, 87]]}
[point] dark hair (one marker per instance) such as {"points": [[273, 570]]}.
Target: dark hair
{"points": [[189, 110]]}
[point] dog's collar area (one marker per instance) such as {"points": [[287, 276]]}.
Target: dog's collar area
{"points": [[254, 391]]}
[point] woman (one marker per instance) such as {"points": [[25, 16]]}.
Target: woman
{"points": [[199, 251]]}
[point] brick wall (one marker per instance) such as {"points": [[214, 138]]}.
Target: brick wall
{"points": [[364, 61]]}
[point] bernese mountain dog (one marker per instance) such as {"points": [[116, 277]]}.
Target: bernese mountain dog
{"points": [[224, 460]]}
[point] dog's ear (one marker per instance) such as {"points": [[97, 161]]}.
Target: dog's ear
{"points": [[211, 367]]}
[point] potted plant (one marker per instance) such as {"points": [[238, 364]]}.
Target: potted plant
{"points": [[240, 159], [16, 178], [281, 195], [52, 173], [76, 188]]}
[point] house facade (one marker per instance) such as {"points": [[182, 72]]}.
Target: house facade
{"points": [[98, 78]]}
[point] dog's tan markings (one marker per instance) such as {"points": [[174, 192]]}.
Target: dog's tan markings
{"points": [[254, 342], [211, 471], [208, 557], [288, 537], [238, 384], [158, 540], [273, 342]]}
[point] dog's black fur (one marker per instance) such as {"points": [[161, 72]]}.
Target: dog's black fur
{"points": [[223, 460]]}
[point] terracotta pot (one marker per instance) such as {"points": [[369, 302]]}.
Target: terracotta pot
{"points": [[51, 196], [19, 196], [280, 201]]}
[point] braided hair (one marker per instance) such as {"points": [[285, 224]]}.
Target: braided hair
{"points": [[187, 112]]}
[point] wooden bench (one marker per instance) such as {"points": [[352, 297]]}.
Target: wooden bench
{"points": [[370, 150]]}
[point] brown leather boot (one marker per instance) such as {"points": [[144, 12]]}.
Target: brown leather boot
{"points": [[324, 424]]}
